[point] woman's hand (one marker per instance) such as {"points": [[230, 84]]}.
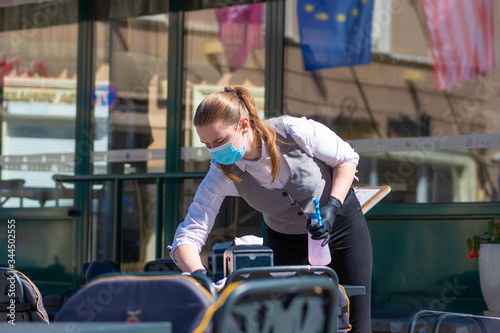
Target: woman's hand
{"points": [[205, 273], [328, 214]]}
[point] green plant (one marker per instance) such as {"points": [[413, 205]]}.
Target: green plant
{"points": [[493, 237]]}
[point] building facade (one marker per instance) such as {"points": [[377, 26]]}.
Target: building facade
{"points": [[99, 158]]}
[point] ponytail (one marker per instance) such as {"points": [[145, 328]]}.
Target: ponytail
{"points": [[228, 107]]}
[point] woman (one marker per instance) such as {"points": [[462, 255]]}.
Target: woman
{"points": [[278, 166]]}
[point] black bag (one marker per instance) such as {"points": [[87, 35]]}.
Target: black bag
{"points": [[20, 299]]}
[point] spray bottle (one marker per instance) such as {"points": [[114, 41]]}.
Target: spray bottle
{"points": [[317, 254]]}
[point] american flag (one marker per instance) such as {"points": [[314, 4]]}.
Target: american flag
{"points": [[461, 38]]}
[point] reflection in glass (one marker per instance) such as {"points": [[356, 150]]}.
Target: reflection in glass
{"points": [[130, 94], [37, 114], [393, 98], [129, 123], [216, 57]]}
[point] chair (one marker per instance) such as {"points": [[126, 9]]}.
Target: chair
{"points": [[296, 304], [264, 272], [96, 268], [280, 272], [53, 301], [178, 299], [288, 271], [20, 299], [203, 281], [161, 265], [494, 322], [12, 188]]}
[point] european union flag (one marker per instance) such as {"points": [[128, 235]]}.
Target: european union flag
{"points": [[335, 33]]}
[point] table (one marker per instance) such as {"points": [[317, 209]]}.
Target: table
{"points": [[354, 290]]}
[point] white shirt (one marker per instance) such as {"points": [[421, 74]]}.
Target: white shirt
{"points": [[314, 138]]}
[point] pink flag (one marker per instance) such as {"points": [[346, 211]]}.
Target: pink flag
{"points": [[241, 31], [461, 39]]}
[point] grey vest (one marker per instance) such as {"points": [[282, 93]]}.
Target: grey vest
{"points": [[309, 178]]}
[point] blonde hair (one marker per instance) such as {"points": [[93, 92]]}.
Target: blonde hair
{"points": [[228, 107]]}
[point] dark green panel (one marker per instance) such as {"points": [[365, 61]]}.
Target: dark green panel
{"points": [[175, 85], [422, 264], [275, 35], [174, 116], [45, 247], [83, 144]]}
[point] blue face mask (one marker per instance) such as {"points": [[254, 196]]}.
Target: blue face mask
{"points": [[227, 154]]}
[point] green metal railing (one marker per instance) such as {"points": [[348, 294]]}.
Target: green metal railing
{"points": [[158, 178]]}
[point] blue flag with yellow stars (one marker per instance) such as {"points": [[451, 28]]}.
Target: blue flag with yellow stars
{"points": [[335, 33]]}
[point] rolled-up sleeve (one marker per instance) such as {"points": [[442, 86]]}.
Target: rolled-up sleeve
{"points": [[320, 142], [203, 210]]}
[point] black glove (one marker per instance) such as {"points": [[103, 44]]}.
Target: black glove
{"points": [[328, 214], [204, 273]]}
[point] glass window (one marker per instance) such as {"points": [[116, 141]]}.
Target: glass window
{"points": [[38, 56], [427, 144], [130, 95], [223, 47], [129, 127]]}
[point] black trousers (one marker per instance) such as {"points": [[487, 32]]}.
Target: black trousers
{"points": [[351, 252]]}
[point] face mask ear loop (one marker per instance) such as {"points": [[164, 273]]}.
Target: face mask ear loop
{"points": [[238, 126]]}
